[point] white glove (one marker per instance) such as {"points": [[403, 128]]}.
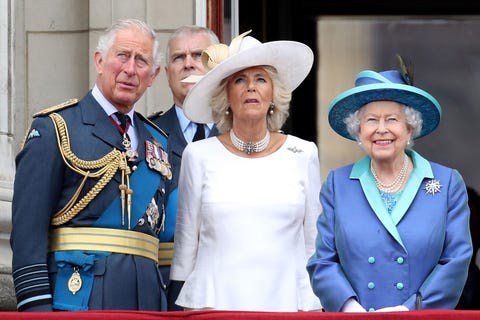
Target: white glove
{"points": [[352, 305], [393, 309]]}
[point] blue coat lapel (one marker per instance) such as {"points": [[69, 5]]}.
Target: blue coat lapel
{"points": [[421, 170], [361, 171]]}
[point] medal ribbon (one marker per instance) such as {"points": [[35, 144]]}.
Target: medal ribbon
{"points": [[74, 279]]}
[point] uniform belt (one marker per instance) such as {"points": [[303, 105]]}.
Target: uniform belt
{"points": [[165, 254], [104, 239]]}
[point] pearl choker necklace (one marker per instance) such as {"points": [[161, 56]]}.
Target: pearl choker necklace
{"points": [[250, 147], [397, 182]]}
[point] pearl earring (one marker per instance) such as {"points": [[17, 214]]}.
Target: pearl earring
{"points": [[272, 108]]}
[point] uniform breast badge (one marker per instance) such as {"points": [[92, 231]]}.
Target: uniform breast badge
{"points": [[153, 215], [131, 154], [157, 159], [75, 281]]}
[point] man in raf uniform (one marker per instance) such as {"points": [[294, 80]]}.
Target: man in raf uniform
{"points": [[89, 193]]}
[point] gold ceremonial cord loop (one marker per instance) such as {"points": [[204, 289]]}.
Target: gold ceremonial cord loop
{"points": [[107, 166], [64, 144]]}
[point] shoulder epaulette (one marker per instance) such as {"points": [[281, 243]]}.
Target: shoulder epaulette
{"points": [[155, 114], [60, 106], [147, 120]]}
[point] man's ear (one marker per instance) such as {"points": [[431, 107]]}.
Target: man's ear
{"points": [[154, 75], [98, 61]]}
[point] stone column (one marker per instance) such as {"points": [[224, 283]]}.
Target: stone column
{"points": [[7, 169]]}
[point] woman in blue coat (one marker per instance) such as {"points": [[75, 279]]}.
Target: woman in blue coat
{"points": [[394, 231]]}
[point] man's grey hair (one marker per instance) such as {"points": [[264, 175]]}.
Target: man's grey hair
{"points": [[189, 30], [106, 40]]}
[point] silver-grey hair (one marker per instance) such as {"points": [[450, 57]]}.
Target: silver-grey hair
{"points": [[281, 99], [189, 30], [413, 117], [106, 40]]}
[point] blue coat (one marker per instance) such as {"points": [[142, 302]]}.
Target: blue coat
{"points": [[384, 260], [43, 185]]}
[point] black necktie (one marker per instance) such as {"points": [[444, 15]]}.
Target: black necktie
{"points": [[124, 121], [200, 133]]}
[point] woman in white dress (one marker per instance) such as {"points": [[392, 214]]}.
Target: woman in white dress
{"points": [[249, 198]]}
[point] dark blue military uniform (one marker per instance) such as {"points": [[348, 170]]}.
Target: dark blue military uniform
{"points": [[50, 172]]}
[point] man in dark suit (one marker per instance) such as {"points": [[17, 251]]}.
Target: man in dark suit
{"points": [[183, 54], [89, 187]]}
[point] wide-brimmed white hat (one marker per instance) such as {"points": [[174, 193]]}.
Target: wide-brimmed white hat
{"points": [[292, 60]]}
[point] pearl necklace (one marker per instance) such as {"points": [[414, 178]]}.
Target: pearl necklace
{"points": [[397, 182], [250, 147]]}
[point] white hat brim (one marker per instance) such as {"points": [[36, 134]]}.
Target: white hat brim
{"points": [[293, 61]]}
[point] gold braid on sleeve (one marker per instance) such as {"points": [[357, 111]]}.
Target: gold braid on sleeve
{"points": [[103, 168]]}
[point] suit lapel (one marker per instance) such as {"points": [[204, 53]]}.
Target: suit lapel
{"points": [[176, 140], [361, 171], [103, 127], [214, 132], [421, 170], [143, 135]]}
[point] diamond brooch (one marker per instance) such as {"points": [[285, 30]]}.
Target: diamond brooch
{"points": [[433, 186]]}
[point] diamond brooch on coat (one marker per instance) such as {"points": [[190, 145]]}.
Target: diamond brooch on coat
{"points": [[433, 186]]}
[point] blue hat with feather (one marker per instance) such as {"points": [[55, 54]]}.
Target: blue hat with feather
{"points": [[387, 85]]}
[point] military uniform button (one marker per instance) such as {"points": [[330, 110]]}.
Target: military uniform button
{"points": [[400, 260], [399, 286], [371, 309], [134, 168], [371, 260], [371, 285]]}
